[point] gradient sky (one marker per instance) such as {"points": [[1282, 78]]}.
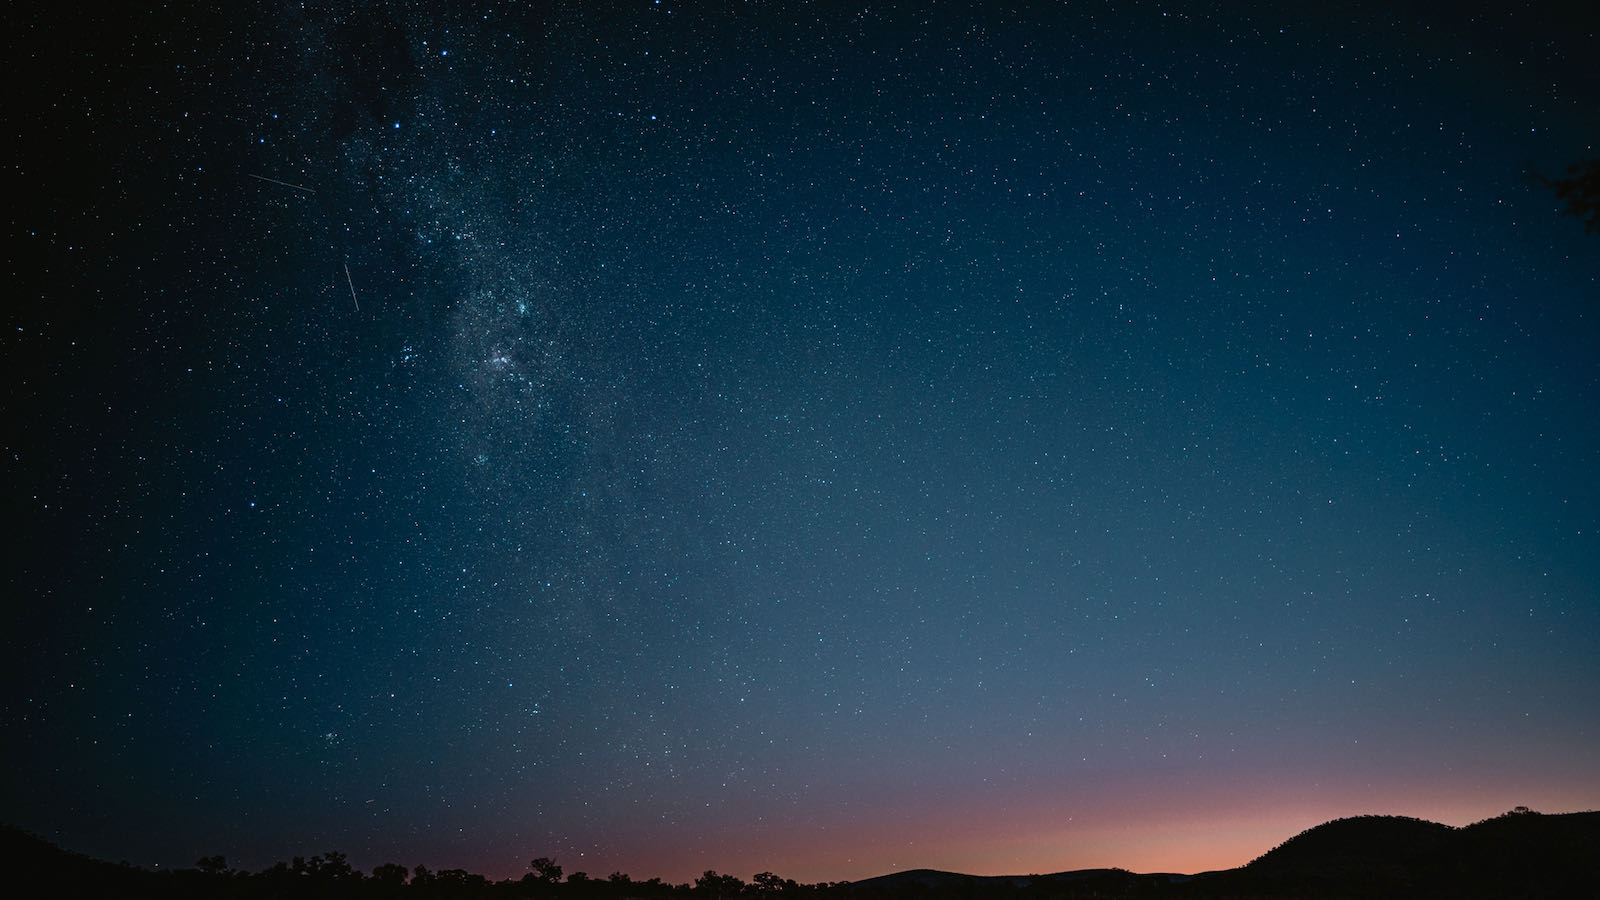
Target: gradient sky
{"points": [[829, 439]]}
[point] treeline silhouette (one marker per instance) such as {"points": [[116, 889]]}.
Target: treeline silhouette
{"points": [[1519, 854], [45, 870], [1580, 191]]}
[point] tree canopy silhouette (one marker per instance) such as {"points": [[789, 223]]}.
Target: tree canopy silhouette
{"points": [[1580, 190]]}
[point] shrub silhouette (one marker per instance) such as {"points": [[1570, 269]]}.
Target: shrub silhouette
{"points": [[1580, 190]]}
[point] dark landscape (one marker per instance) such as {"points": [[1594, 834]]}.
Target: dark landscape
{"points": [[1519, 854]]}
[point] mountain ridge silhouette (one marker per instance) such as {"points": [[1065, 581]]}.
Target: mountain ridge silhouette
{"points": [[1518, 854]]}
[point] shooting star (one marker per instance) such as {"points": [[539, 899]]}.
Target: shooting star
{"points": [[284, 183], [352, 287]]}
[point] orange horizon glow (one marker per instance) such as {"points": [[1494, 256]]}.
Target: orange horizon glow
{"points": [[1188, 840]]}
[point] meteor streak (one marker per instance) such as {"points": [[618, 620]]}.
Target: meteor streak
{"points": [[352, 287], [276, 181]]}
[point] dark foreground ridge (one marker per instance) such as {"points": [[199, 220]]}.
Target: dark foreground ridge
{"points": [[1519, 854]]}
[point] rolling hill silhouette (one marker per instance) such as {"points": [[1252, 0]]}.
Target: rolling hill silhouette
{"points": [[1519, 854], [1363, 844], [915, 880]]}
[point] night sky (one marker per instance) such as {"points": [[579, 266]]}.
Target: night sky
{"points": [[669, 436]]}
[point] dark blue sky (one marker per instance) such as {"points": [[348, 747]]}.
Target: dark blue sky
{"points": [[826, 440]]}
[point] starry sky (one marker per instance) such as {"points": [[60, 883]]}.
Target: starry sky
{"points": [[822, 439]]}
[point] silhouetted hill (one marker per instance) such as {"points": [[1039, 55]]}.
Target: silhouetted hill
{"points": [[34, 867], [916, 877], [1519, 854], [1360, 844], [1528, 854], [935, 879]]}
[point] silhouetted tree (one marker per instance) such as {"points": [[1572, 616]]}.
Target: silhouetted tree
{"points": [[718, 886], [1580, 190], [278, 875], [768, 883], [213, 865], [331, 866], [458, 883], [389, 875], [545, 870]]}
